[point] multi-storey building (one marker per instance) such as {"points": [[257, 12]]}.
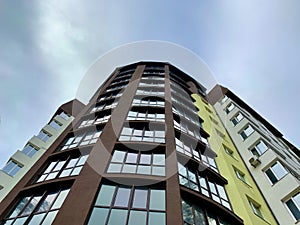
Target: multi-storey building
{"points": [[19, 163], [144, 150], [272, 161]]}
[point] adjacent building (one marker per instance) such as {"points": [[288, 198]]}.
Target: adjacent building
{"points": [[272, 161], [22, 160], [149, 148]]}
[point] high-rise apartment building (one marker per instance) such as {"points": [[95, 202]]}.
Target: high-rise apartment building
{"points": [[148, 148], [271, 160]]}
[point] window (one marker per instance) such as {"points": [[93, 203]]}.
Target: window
{"points": [[148, 102], [104, 106], [29, 150], [11, 168], [224, 99], [241, 176], [90, 137], [183, 127], [43, 136], [94, 121], [64, 115], [55, 125], [190, 151], [259, 148], [237, 118], [256, 209], [229, 108], [131, 134], [293, 205], [276, 172], [127, 205], [37, 209], [63, 168], [193, 214], [200, 183], [228, 151], [139, 163], [213, 120], [132, 115], [246, 132]]}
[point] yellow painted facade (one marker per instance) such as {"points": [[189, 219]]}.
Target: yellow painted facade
{"points": [[241, 191]]}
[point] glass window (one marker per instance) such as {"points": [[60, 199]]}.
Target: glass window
{"points": [[276, 172], [63, 168], [256, 208], [241, 176], [122, 197], [140, 198], [36, 208], [293, 205], [194, 215], [237, 118], [259, 148], [139, 163], [194, 180], [64, 115], [246, 132], [43, 136], [229, 108], [11, 168], [29, 150], [55, 124], [140, 205], [130, 134], [88, 138]]}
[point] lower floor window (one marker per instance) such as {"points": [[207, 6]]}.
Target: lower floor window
{"points": [[120, 205], [195, 215], [37, 209]]}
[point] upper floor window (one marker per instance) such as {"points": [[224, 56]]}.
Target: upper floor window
{"points": [[11, 168], [241, 176], [132, 134], [200, 183], [229, 108], [40, 208], [55, 125], [137, 163], [256, 208], [190, 151], [228, 151], [44, 136], [29, 150], [148, 102], [128, 205], [237, 118], [259, 148], [132, 115], [64, 115], [276, 172], [94, 121], [246, 132], [224, 99], [87, 138], [63, 168], [103, 106], [293, 205]]}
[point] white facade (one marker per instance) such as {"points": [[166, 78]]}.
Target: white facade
{"points": [[274, 167], [20, 162]]}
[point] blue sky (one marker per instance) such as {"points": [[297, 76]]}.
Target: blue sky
{"points": [[252, 47]]}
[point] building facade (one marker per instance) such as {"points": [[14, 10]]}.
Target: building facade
{"points": [[144, 150], [22, 160], [272, 161]]}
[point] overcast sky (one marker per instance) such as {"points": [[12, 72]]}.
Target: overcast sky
{"points": [[252, 47]]}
